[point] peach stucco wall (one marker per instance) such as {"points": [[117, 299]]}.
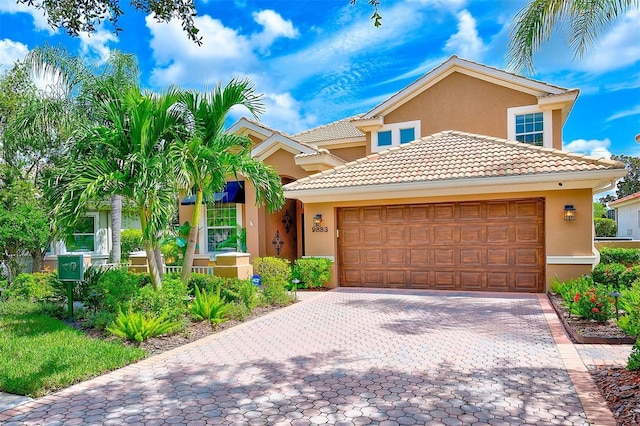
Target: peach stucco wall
{"points": [[561, 238], [350, 154], [461, 102]]}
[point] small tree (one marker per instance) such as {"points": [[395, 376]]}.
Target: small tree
{"points": [[24, 225]]}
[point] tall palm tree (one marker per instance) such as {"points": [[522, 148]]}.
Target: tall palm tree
{"points": [[133, 135], [210, 155], [535, 23], [82, 86]]}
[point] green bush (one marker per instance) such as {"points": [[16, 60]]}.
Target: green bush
{"points": [[568, 289], [209, 306], [626, 256], [594, 304], [312, 271], [238, 311], [31, 287], [634, 358], [138, 326], [630, 304], [275, 275], [130, 241], [116, 288], [605, 227], [170, 300], [608, 274], [629, 276], [205, 282]]}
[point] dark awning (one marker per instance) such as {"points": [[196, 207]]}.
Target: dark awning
{"points": [[233, 193]]}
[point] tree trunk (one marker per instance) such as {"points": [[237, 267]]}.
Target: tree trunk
{"points": [[116, 228], [193, 237], [38, 260], [154, 269]]}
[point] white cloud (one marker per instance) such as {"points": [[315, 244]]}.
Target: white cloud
{"points": [[274, 27], [626, 113], [616, 49], [95, 46], [10, 52], [38, 15], [594, 147], [466, 43]]}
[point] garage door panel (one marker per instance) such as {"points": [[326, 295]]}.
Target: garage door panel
{"points": [[444, 212], [396, 257], [471, 211], [349, 215], [471, 280], [372, 215], [374, 257], [488, 245]]}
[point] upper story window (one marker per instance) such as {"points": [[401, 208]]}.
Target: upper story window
{"points": [[394, 134], [83, 238], [530, 128], [529, 124], [222, 221]]}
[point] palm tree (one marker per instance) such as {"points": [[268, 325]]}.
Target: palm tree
{"points": [[133, 135], [83, 86], [210, 155], [536, 21]]}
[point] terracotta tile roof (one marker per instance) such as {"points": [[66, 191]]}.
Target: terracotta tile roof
{"points": [[341, 129], [451, 155], [623, 199]]}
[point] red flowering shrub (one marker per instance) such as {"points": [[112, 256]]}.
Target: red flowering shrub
{"points": [[595, 304]]}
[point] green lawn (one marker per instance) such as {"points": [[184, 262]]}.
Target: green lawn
{"points": [[40, 354]]}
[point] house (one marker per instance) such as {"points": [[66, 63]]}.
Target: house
{"points": [[458, 181], [627, 215]]}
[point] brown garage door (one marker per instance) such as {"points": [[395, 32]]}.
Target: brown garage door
{"points": [[486, 245]]}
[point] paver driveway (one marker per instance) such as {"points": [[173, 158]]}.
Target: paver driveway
{"points": [[344, 357]]}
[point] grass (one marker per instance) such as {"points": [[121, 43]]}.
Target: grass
{"points": [[40, 354]]}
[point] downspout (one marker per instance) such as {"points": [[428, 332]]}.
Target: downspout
{"points": [[596, 254]]}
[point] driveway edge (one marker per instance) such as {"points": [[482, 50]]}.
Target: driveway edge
{"points": [[592, 401]]}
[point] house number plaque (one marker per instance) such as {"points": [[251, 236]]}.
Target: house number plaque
{"points": [[317, 228]]}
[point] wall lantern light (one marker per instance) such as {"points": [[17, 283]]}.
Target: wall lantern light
{"points": [[569, 213], [317, 220]]}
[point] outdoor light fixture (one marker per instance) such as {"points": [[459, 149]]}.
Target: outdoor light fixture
{"points": [[616, 295], [295, 283], [569, 213], [317, 220]]}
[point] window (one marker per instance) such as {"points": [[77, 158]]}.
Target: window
{"points": [[222, 220], [529, 128], [394, 134], [407, 135], [384, 138], [84, 235]]}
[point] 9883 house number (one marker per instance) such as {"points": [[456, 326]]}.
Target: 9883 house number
{"points": [[320, 229]]}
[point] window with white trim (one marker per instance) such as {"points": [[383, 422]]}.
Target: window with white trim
{"points": [[394, 134], [83, 238], [530, 124], [222, 222], [530, 128]]}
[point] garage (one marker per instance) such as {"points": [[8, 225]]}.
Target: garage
{"points": [[495, 245]]}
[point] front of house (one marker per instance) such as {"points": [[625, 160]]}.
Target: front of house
{"points": [[457, 181]]}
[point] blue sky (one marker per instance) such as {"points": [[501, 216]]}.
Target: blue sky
{"points": [[317, 61]]}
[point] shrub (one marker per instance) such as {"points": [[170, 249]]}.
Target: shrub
{"points": [[235, 290], [31, 287], [130, 241], [117, 288], [630, 304], [209, 306], [608, 274], [204, 282], [634, 358], [569, 288], [238, 311], [312, 271], [275, 274], [629, 276], [594, 304], [170, 300], [605, 227], [626, 256], [138, 326]]}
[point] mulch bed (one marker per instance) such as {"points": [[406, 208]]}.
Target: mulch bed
{"points": [[619, 387]]}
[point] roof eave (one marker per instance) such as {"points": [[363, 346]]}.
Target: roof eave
{"points": [[596, 180]]}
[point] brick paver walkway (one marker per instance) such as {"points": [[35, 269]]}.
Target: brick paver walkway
{"points": [[345, 357]]}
